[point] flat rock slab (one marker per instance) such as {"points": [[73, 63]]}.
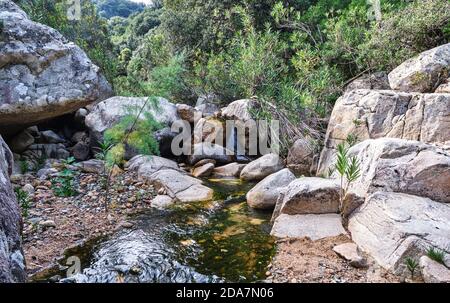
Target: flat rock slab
{"points": [[393, 226], [314, 227], [179, 186], [351, 253]]}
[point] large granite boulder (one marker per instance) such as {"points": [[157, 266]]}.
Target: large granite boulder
{"points": [[230, 170], [397, 165], [262, 167], [147, 165], [377, 80], [423, 73], [12, 261], [265, 194], [238, 110], [372, 114], [179, 186], [301, 156], [394, 226], [309, 195], [42, 75]]}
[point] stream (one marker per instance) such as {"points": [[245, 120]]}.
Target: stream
{"points": [[218, 241]]}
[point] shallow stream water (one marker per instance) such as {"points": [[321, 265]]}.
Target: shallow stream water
{"points": [[218, 241]]}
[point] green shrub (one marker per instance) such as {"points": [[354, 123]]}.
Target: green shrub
{"points": [[24, 201], [411, 265], [64, 184], [436, 255]]}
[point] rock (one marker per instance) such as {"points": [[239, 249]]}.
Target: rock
{"points": [[404, 166], [164, 137], [377, 80], [126, 225], [300, 156], [162, 202], [49, 151], [21, 142], [43, 75], [262, 167], [423, 73], [29, 189], [433, 272], [309, 195], [203, 162], [369, 114], [393, 226], [238, 110], [147, 165], [265, 194], [80, 116], [44, 173], [178, 186], [210, 151], [80, 137], [444, 88], [92, 166], [203, 171], [209, 130], [47, 223], [12, 261], [108, 112], [314, 227], [230, 170], [206, 104], [351, 253], [188, 113], [81, 151], [49, 136]]}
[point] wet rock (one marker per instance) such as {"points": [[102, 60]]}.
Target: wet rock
{"points": [[265, 194], [203, 171], [393, 226], [164, 137], [351, 253], [230, 170], [21, 142], [210, 151], [433, 272], [179, 186], [204, 162], [262, 167], [314, 227], [422, 73], [43, 74], [12, 261]]}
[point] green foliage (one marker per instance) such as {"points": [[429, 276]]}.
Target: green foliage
{"points": [[122, 8], [24, 201], [412, 265], [64, 184], [24, 166], [132, 132], [348, 169], [436, 255]]}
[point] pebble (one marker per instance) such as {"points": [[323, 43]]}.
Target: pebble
{"points": [[47, 223]]}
